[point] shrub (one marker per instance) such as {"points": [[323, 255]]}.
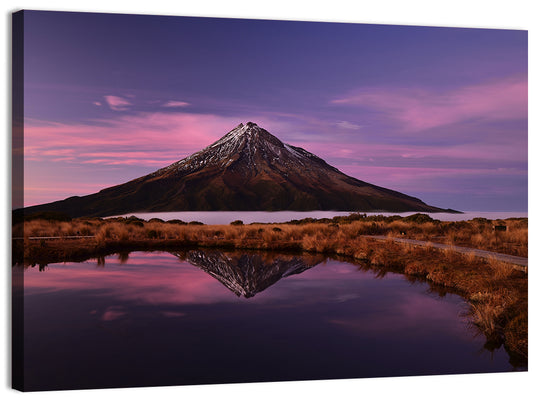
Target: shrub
{"points": [[152, 234], [481, 221], [134, 218], [237, 223], [135, 223], [418, 218], [176, 221]]}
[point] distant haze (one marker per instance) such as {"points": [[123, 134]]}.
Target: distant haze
{"points": [[436, 113]]}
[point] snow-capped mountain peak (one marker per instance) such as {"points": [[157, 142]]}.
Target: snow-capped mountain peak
{"points": [[247, 169], [248, 143]]}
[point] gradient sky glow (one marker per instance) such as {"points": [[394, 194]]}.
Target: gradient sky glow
{"points": [[437, 113]]}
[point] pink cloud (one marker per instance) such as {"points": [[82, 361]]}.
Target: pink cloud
{"points": [[419, 109], [175, 104], [145, 139], [113, 313], [117, 103], [348, 125]]}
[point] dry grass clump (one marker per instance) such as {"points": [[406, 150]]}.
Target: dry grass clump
{"points": [[486, 309], [482, 235], [117, 231], [470, 257], [415, 268], [501, 314], [477, 233], [313, 243], [501, 270], [417, 231], [53, 228]]}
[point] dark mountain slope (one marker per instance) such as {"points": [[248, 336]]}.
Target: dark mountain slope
{"points": [[248, 169]]}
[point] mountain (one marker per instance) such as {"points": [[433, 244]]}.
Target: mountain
{"points": [[247, 274], [248, 169]]}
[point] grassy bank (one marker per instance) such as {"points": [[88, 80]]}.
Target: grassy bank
{"points": [[496, 292], [478, 233]]}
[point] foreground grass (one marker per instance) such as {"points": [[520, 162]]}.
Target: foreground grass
{"points": [[496, 292]]}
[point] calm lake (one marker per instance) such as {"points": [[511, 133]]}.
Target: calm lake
{"points": [[196, 317], [223, 217]]}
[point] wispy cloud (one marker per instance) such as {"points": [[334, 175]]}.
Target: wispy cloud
{"points": [[113, 313], [419, 109], [149, 139], [175, 104], [348, 125], [117, 103], [143, 139]]}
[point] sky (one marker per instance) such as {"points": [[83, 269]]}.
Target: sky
{"points": [[436, 113]]}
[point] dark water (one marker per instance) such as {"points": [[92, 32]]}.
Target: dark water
{"points": [[193, 318]]}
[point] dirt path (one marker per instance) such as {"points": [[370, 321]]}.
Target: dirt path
{"points": [[518, 261]]}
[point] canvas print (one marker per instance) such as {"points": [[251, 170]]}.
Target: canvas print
{"points": [[217, 200]]}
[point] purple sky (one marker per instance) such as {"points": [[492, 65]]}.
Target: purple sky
{"points": [[437, 113]]}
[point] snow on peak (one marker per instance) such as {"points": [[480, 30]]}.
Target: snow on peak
{"points": [[244, 142]]}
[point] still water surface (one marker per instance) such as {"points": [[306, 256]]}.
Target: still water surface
{"points": [[145, 319]]}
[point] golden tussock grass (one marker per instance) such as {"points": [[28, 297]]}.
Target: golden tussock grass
{"points": [[501, 270], [476, 234]]}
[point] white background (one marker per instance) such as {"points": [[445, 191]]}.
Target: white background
{"points": [[508, 14]]}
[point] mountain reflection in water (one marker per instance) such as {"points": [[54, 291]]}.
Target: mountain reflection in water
{"points": [[247, 274], [196, 317]]}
